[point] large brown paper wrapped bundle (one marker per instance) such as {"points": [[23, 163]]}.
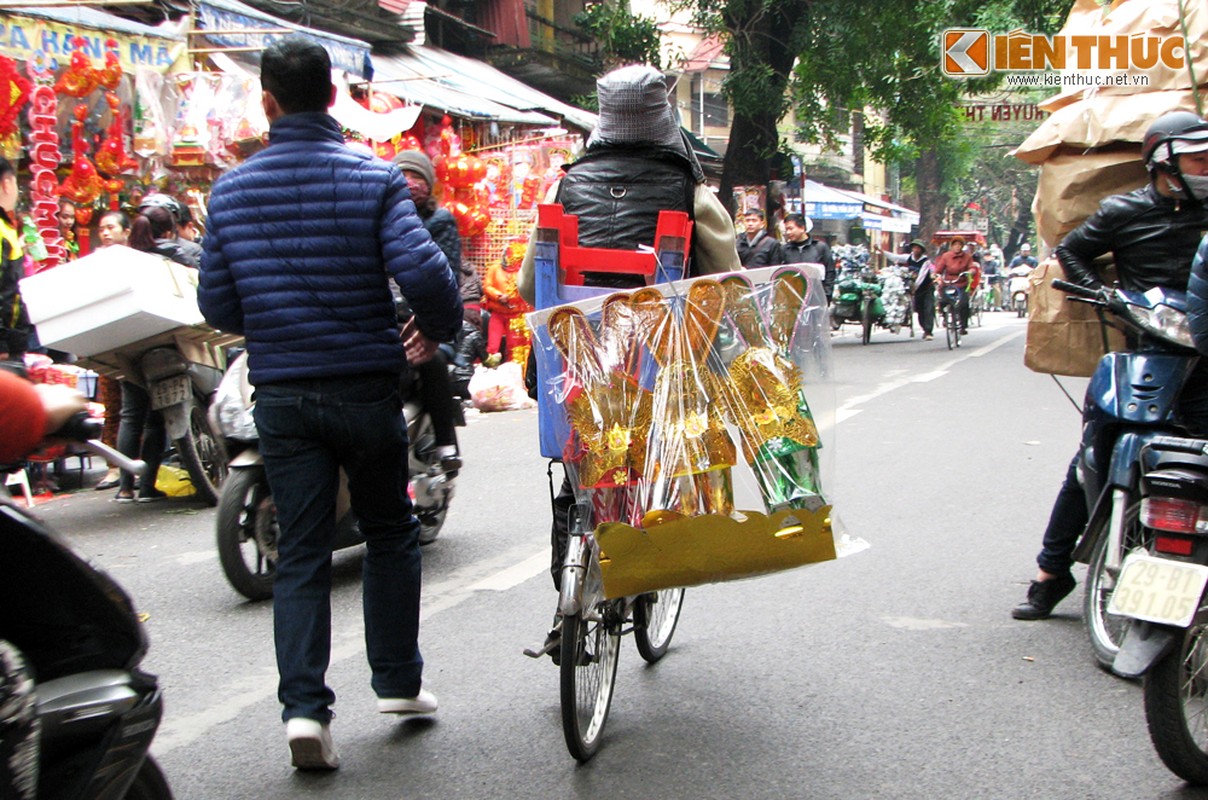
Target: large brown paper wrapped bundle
{"points": [[1072, 184], [1064, 338]]}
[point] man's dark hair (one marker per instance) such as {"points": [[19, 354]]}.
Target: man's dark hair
{"points": [[6, 167], [297, 72], [796, 219]]}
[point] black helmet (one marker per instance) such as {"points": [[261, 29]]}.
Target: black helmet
{"points": [[179, 211], [1158, 146]]}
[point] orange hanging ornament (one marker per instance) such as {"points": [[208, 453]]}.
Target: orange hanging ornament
{"points": [[80, 78]]}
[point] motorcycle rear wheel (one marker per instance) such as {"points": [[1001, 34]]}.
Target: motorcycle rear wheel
{"points": [[246, 507], [203, 456], [866, 321], [1106, 631], [1176, 706]]}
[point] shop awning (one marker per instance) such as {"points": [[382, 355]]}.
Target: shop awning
{"points": [[823, 202], [882, 215], [442, 80], [351, 55], [896, 210]]}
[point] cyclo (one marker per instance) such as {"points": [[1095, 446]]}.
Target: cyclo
{"points": [[636, 392]]}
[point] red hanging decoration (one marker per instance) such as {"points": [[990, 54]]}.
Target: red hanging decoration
{"points": [[83, 185], [111, 75], [80, 78], [112, 158], [14, 94]]}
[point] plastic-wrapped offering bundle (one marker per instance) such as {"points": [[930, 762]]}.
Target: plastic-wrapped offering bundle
{"points": [[685, 426], [895, 294]]}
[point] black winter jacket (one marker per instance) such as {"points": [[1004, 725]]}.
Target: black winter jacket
{"points": [[763, 252], [811, 251], [1153, 239], [617, 193]]}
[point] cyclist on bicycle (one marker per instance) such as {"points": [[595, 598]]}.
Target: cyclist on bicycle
{"points": [[952, 269]]}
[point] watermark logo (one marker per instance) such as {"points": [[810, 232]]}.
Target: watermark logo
{"points": [[974, 52], [966, 52]]}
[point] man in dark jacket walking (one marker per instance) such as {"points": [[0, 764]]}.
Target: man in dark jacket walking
{"points": [[300, 243], [801, 248], [757, 248]]}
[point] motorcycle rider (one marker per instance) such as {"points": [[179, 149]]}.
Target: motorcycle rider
{"points": [[954, 268], [27, 413], [801, 248], [922, 284], [1152, 233], [1024, 258]]}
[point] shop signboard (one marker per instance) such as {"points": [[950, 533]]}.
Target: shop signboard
{"points": [[25, 37]]}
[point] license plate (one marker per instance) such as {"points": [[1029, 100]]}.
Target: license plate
{"points": [[1158, 590], [170, 392]]}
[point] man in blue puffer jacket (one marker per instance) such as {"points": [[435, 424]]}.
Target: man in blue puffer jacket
{"points": [[300, 244]]}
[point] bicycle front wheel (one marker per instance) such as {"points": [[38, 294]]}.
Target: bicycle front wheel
{"points": [[590, 650], [654, 619]]}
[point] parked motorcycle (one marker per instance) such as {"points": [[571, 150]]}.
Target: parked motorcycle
{"points": [[181, 389], [81, 641], [1128, 411], [247, 519]]}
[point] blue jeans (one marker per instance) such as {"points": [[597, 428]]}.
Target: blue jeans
{"points": [[309, 429]]}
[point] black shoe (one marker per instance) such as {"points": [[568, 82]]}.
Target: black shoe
{"points": [[1043, 596], [450, 465], [553, 645], [150, 496]]}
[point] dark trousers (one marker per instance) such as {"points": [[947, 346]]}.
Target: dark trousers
{"points": [[924, 304], [437, 395], [962, 305], [140, 434], [309, 429]]}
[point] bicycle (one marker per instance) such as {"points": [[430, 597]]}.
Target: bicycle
{"points": [[588, 633], [950, 313]]}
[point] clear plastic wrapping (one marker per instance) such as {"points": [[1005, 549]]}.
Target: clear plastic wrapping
{"points": [[687, 414]]}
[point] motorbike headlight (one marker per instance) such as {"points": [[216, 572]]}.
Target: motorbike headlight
{"points": [[1164, 322]]}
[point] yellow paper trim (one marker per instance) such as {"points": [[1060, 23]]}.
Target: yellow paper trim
{"points": [[712, 548]]}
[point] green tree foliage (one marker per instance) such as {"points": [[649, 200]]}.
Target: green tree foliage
{"points": [[622, 37], [826, 58]]}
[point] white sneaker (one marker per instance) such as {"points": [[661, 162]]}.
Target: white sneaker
{"points": [[310, 744], [422, 703]]}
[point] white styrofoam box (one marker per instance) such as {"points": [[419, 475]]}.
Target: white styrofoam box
{"points": [[110, 298]]}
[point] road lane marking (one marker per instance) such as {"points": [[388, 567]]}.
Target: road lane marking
{"points": [[496, 574], [852, 407]]}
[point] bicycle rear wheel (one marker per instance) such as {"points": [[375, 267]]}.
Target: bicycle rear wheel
{"points": [[590, 649], [655, 616]]}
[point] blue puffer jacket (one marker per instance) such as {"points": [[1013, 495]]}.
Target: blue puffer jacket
{"points": [[299, 244], [1197, 299]]}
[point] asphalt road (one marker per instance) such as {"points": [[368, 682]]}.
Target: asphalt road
{"points": [[895, 673]]}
